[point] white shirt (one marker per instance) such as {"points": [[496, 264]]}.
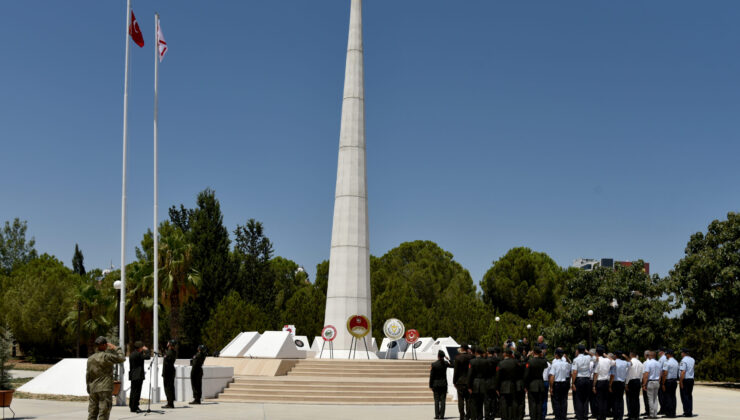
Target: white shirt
{"points": [[603, 364], [546, 373], [581, 364], [635, 371]]}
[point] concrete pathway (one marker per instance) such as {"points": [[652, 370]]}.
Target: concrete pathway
{"points": [[710, 403]]}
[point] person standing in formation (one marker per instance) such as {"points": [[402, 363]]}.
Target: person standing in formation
{"points": [[559, 385], [669, 384], [581, 380], [491, 404], [136, 374], [686, 382], [650, 384], [99, 379], [477, 384], [438, 384], [506, 385], [632, 387], [533, 383], [661, 395], [601, 383], [617, 383], [460, 379]]}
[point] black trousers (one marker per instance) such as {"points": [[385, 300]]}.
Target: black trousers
{"points": [[645, 402], [169, 389], [687, 399], [602, 399], [440, 399], [661, 400], [521, 402], [593, 402], [560, 400], [508, 406], [535, 404], [476, 406], [669, 396], [463, 401], [618, 398], [196, 381], [633, 399], [133, 401], [490, 406], [581, 398]]}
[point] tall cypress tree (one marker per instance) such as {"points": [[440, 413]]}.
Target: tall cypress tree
{"points": [[210, 241], [78, 261]]}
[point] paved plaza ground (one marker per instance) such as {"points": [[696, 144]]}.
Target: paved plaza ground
{"points": [[709, 403]]}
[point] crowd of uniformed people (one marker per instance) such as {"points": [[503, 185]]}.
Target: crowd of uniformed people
{"points": [[498, 383]]}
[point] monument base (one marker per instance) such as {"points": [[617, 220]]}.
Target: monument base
{"points": [[345, 354]]}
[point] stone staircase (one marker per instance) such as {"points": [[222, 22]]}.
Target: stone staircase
{"points": [[316, 381]]}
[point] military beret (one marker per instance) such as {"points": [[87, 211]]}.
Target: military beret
{"points": [[440, 354], [669, 351], [101, 340], [172, 342], [202, 348], [138, 344], [509, 352], [464, 346], [618, 353], [581, 347], [492, 350], [559, 352], [497, 349], [685, 350]]}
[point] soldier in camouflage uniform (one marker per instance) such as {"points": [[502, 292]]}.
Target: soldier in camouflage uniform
{"points": [[100, 379]]}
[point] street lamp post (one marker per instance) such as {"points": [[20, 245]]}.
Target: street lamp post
{"points": [[590, 327], [498, 330], [529, 335]]}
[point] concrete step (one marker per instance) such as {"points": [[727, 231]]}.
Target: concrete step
{"points": [[328, 385], [328, 392], [328, 371], [405, 363], [331, 399], [328, 381], [359, 374]]}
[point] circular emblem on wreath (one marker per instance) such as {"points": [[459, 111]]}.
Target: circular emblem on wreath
{"points": [[329, 333], [412, 336], [393, 329], [358, 325]]}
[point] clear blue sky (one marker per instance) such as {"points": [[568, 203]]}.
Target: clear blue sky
{"points": [[581, 129]]}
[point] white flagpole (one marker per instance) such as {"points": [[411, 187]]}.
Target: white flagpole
{"points": [[154, 376], [121, 400]]}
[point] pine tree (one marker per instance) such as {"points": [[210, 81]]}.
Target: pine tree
{"points": [[6, 344]]}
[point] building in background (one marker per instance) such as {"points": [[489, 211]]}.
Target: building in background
{"points": [[589, 264]]}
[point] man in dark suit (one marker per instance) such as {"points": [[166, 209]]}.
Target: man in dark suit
{"points": [[136, 374], [196, 374], [534, 384], [506, 385], [168, 373], [477, 384], [438, 384], [460, 378]]}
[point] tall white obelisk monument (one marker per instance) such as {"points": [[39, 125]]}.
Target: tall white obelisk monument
{"points": [[348, 292]]}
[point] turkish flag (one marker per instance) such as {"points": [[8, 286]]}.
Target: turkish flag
{"points": [[135, 31]]}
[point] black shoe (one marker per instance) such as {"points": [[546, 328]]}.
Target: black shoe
{"points": [[194, 402], [168, 406]]}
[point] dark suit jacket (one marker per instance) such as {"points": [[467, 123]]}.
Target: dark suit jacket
{"points": [[197, 363], [506, 376], [136, 365], [438, 374], [168, 370], [476, 375], [462, 362], [533, 374]]}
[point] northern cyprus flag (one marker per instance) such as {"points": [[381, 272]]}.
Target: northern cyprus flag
{"points": [[161, 42]]}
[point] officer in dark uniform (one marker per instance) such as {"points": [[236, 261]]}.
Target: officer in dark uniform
{"points": [[136, 374], [168, 373], [506, 385], [534, 384], [438, 384], [521, 395], [196, 374], [490, 405], [460, 378], [477, 384]]}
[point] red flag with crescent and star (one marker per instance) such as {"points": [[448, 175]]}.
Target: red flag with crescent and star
{"points": [[135, 31]]}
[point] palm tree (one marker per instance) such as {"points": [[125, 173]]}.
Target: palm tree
{"points": [[177, 280], [94, 317]]}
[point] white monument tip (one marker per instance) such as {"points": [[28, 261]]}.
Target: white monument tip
{"points": [[240, 344], [275, 345]]}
